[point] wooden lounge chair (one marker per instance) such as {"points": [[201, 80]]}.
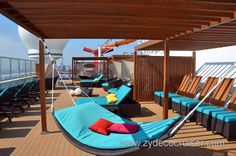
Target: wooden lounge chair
{"points": [[203, 113], [182, 89], [224, 120], [188, 95], [188, 105]]}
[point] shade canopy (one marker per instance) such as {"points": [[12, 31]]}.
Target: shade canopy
{"points": [[129, 19], [183, 45]]}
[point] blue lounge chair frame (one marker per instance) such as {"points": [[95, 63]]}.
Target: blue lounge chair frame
{"points": [[112, 84]]}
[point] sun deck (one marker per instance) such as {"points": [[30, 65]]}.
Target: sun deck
{"points": [[23, 136]]}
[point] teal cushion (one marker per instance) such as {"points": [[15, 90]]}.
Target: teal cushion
{"points": [[179, 100], [112, 90], [191, 104], [96, 79], [86, 81], [76, 120], [227, 117], [211, 110], [202, 108], [100, 77], [158, 93], [215, 114], [161, 93], [98, 100], [121, 93], [106, 84], [170, 95]]}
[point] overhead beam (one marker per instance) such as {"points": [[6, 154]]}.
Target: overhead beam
{"points": [[212, 24], [29, 26], [183, 5]]}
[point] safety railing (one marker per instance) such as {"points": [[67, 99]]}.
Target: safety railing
{"points": [[13, 68]]}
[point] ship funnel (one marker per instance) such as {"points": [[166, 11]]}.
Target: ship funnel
{"points": [[31, 42]]}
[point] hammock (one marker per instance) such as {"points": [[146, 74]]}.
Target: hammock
{"points": [[75, 120]]}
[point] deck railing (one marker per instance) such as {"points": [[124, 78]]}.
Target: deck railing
{"points": [[13, 68]]}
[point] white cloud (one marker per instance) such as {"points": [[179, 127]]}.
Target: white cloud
{"points": [[12, 47]]}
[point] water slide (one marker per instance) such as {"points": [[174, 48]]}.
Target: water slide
{"points": [[106, 48], [109, 47]]}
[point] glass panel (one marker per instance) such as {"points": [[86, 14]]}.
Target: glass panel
{"points": [[5, 69], [22, 68], [11, 68], [14, 68], [28, 64], [33, 67]]}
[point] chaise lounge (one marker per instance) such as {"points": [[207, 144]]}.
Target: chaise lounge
{"points": [[204, 113], [182, 89], [124, 106]]}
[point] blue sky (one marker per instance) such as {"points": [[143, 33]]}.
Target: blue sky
{"points": [[12, 46]]}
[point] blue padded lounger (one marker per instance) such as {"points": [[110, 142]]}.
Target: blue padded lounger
{"points": [[75, 121], [112, 90], [118, 85], [122, 92], [91, 83], [89, 80], [159, 96], [105, 84], [181, 90]]}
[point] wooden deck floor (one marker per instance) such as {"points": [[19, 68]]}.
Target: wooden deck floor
{"points": [[23, 136]]}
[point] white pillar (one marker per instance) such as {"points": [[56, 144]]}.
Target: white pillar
{"points": [[99, 55]]}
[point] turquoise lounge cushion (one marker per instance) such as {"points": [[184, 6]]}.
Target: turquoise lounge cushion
{"points": [[99, 78], [191, 104], [161, 93], [76, 120], [190, 101], [98, 100], [106, 84], [86, 81], [179, 100], [170, 95], [202, 108], [211, 110], [227, 117], [112, 90], [158, 93], [122, 92], [215, 114]]}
